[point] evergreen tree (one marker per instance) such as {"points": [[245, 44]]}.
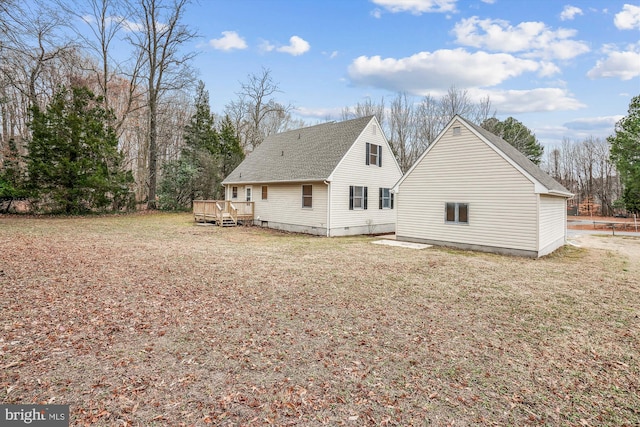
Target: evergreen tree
{"points": [[200, 134], [231, 152], [518, 135], [625, 153], [178, 184], [11, 177], [210, 154], [73, 164], [200, 151]]}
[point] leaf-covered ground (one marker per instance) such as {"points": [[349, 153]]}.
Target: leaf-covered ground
{"points": [[152, 320]]}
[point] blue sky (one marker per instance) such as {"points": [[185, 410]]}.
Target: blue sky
{"points": [[563, 68]]}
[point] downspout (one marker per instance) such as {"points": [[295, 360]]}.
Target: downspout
{"points": [[328, 184]]}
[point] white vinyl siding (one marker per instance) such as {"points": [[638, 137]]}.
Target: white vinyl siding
{"points": [[285, 206], [552, 222], [352, 171], [502, 203]]}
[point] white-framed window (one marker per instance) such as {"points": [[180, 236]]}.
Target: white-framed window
{"points": [[456, 213], [374, 155], [234, 192], [385, 199], [248, 194], [307, 196], [357, 197]]}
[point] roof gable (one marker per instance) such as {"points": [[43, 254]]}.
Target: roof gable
{"points": [[543, 182], [306, 154]]}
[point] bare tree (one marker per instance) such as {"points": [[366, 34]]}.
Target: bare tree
{"points": [[106, 19], [166, 67], [256, 114], [428, 123], [584, 167], [456, 101], [34, 59], [364, 109], [402, 130]]}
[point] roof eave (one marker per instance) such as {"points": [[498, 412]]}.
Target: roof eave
{"points": [[272, 181], [561, 193]]}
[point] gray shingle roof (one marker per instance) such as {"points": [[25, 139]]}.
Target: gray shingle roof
{"points": [[520, 159], [307, 154]]}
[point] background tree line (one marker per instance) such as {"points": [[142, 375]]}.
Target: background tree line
{"points": [[123, 67]]}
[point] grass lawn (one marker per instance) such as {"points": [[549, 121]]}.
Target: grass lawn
{"points": [[152, 320]]}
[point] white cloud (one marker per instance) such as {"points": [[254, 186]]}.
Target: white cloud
{"points": [[417, 7], [230, 40], [297, 46], [623, 65], [132, 27], [265, 46], [318, 113], [569, 12], [423, 72], [488, 1], [548, 69], [533, 100], [331, 55], [534, 39], [88, 19], [594, 123], [628, 18]]}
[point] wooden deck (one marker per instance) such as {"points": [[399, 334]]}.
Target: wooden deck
{"points": [[223, 212]]}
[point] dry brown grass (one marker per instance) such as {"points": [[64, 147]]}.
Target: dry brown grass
{"points": [[153, 320]]}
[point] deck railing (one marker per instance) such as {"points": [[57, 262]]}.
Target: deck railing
{"points": [[217, 211]]}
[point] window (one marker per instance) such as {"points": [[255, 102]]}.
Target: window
{"points": [[264, 192], [457, 213], [234, 192], [385, 199], [357, 198], [456, 130], [307, 196], [248, 194], [374, 155]]}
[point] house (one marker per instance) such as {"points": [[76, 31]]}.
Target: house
{"points": [[473, 190], [332, 179]]}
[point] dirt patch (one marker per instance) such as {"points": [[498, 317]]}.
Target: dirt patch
{"points": [[625, 246], [151, 320]]}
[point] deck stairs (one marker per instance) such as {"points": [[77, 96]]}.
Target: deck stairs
{"points": [[223, 213]]}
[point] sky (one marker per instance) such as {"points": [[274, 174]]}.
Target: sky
{"points": [[566, 69]]}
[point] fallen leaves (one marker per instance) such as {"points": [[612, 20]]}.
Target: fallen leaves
{"points": [[149, 320]]}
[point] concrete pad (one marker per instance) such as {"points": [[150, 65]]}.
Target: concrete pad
{"points": [[409, 245]]}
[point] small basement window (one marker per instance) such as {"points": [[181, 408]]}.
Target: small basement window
{"points": [[456, 213]]}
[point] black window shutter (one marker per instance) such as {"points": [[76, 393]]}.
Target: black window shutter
{"points": [[380, 155], [391, 200], [364, 191], [351, 197], [368, 150], [379, 198]]}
